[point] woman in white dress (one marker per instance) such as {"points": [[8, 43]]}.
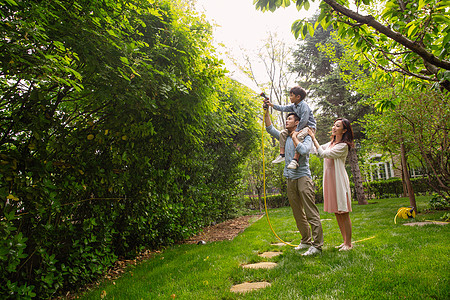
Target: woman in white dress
{"points": [[336, 185]]}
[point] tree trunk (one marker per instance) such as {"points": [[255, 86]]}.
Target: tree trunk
{"points": [[259, 191], [357, 178], [405, 188], [405, 176]]}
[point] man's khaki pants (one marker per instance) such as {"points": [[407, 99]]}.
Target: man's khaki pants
{"points": [[301, 198]]}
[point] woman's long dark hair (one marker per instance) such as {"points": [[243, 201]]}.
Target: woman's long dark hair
{"points": [[347, 137]]}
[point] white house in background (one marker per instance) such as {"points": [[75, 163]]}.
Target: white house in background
{"points": [[381, 167]]}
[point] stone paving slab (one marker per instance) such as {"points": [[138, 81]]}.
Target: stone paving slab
{"points": [[425, 223], [269, 254], [249, 286], [260, 265]]}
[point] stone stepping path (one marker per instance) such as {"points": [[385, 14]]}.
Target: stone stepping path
{"points": [[260, 265], [249, 286], [426, 223], [269, 254]]}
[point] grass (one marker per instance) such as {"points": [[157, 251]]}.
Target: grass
{"points": [[400, 262]]}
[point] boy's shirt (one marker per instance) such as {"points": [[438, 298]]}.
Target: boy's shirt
{"points": [[302, 148], [303, 112]]}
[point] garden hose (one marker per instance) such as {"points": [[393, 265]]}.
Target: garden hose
{"points": [[264, 182], [405, 213]]}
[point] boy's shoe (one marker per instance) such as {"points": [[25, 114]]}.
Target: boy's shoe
{"points": [[278, 159], [293, 165], [302, 246], [312, 251]]}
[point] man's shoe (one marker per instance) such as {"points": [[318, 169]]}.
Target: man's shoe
{"points": [[302, 246], [312, 251], [278, 159], [293, 165]]}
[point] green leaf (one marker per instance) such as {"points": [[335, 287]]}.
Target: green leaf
{"points": [[310, 29], [321, 17], [443, 5], [446, 39], [59, 45], [296, 27], [324, 23], [358, 43], [443, 19], [388, 10], [342, 30], [286, 3], [12, 2], [304, 30], [306, 5], [421, 4], [411, 29], [112, 32]]}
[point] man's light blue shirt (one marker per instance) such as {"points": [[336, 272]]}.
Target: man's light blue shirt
{"points": [[302, 148]]}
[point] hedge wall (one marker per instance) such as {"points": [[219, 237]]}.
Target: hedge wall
{"points": [[393, 187], [118, 132]]}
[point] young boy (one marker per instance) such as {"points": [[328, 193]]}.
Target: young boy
{"points": [[298, 106]]}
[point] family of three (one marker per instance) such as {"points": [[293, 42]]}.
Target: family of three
{"points": [[296, 142]]}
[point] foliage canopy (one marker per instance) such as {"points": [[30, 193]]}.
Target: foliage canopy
{"points": [[406, 37]]}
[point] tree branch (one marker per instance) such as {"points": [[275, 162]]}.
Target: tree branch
{"points": [[370, 21], [400, 70]]}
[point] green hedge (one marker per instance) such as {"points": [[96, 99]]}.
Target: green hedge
{"points": [[393, 187], [272, 201], [119, 132]]}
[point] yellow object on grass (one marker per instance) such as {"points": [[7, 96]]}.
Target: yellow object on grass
{"points": [[405, 213]]}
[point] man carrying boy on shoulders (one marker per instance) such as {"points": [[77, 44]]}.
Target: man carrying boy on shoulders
{"points": [[300, 189]]}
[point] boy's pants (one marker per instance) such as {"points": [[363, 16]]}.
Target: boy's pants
{"points": [[301, 135]]}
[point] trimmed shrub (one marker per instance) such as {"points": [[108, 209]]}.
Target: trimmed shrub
{"points": [[393, 187], [272, 201], [439, 203]]}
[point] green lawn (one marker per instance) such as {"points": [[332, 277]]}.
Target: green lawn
{"points": [[400, 262]]}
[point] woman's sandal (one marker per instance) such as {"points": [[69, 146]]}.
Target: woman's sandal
{"points": [[346, 248]]}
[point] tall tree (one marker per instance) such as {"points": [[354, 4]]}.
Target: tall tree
{"points": [[416, 128], [408, 37]]}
